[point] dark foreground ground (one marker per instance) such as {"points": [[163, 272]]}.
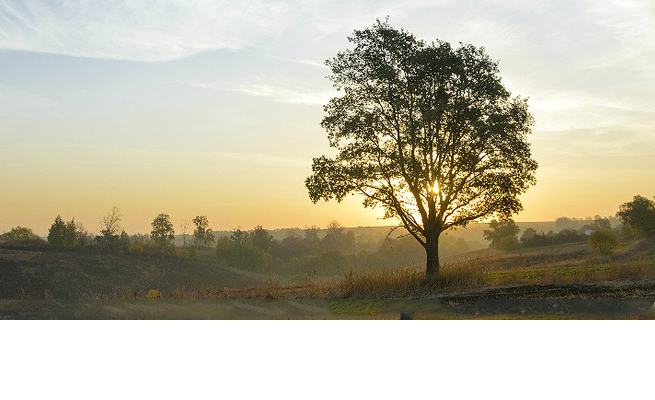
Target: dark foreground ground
{"points": [[166, 309]]}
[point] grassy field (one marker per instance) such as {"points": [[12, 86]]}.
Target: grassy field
{"points": [[558, 272]]}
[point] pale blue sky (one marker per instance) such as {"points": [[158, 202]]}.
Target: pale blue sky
{"points": [[206, 107]]}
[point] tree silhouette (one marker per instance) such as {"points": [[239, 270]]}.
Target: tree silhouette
{"points": [[639, 215], [62, 235], [110, 227], [162, 231], [20, 234], [501, 230], [426, 131], [261, 239], [202, 233]]}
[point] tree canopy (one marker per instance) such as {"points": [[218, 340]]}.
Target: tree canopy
{"points": [[162, 231], [62, 235], [639, 215], [426, 131], [202, 233]]}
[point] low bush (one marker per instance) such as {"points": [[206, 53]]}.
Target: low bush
{"points": [[603, 241]]}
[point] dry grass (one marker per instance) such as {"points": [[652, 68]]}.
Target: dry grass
{"points": [[398, 283], [455, 277], [410, 282], [632, 271]]}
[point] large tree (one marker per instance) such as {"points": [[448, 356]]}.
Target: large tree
{"points": [[426, 131]]}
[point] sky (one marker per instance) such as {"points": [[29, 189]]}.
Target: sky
{"points": [[213, 108]]}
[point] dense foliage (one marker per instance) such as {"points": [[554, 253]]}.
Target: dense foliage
{"points": [[62, 235], [638, 215]]}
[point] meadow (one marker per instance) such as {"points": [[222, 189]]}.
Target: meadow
{"points": [[43, 283]]}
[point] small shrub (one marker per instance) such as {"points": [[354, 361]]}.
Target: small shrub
{"points": [[154, 294], [188, 253], [603, 241]]}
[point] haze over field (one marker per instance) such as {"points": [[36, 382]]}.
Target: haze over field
{"points": [[205, 108]]}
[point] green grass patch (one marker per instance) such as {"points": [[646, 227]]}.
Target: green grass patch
{"points": [[354, 307]]}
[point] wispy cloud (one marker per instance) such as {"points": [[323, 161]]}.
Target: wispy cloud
{"points": [[292, 93], [160, 30], [154, 30]]}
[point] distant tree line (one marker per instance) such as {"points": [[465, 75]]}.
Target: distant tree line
{"points": [[316, 251], [308, 251], [71, 235], [636, 219]]}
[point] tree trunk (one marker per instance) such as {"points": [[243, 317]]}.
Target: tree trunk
{"points": [[432, 252]]}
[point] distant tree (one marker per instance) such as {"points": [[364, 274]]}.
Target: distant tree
{"points": [[62, 235], [162, 233], [603, 241], [261, 239], [239, 236], [56, 233], [291, 246], [426, 131], [531, 238], [639, 215], [138, 243], [20, 234], [82, 235], [334, 228], [202, 233], [238, 251], [564, 222], [124, 240], [528, 234], [110, 227], [500, 230], [70, 234], [601, 224], [336, 239], [311, 234]]}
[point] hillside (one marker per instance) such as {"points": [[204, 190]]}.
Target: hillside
{"points": [[39, 274]]}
